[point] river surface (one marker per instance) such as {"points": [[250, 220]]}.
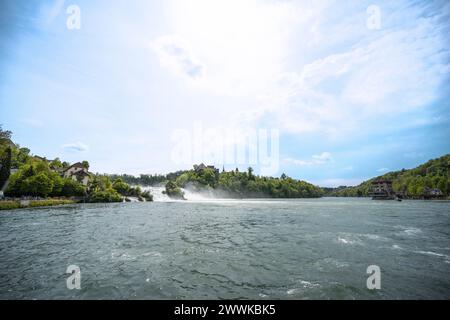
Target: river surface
{"points": [[228, 249]]}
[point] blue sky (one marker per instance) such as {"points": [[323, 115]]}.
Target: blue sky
{"points": [[349, 101]]}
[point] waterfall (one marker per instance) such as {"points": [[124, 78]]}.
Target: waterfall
{"points": [[157, 193], [193, 196], [159, 196]]}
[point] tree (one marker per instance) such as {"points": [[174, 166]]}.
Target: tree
{"points": [[442, 185], [209, 177], [38, 185], [183, 179], [56, 164], [250, 173], [58, 184], [72, 188], [85, 164], [28, 171], [105, 196], [101, 183], [5, 135], [20, 156], [173, 191], [121, 187], [5, 166], [65, 165]]}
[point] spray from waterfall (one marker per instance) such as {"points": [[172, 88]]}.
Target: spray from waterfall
{"points": [[189, 194]]}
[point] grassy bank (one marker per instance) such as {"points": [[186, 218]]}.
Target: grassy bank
{"points": [[19, 204]]}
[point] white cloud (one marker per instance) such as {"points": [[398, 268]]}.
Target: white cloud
{"points": [[298, 162], [383, 170], [75, 147], [323, 158], [242, 43], [175, 53], [338, 80], [337, 182], [378, 79]]}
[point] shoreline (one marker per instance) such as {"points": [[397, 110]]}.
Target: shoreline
{"points": [[23, 204]]}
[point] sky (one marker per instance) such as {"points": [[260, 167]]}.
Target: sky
{"points": [[344, 90]]}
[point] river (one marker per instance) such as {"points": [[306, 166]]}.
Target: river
{"points": [[228, 249]]}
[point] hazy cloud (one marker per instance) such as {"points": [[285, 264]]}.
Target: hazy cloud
{"points": [[175, 53], [323, 158], [397, 71], [75, 147]]}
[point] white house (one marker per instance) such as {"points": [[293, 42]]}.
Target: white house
{"points": [[78, 173]]}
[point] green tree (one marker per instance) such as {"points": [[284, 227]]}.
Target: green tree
{"points": [[85, 164], [5, 135], [173, 191], [56, 164], [38, 185], [121, 187], [65, 165], [5, 166], [72, 188], [442, 185], [110, 195], [20, 156], [250, 173], [101, 183]]}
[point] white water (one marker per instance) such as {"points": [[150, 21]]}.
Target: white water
{"points": [[189, 195], [194, 196], [132, 199], [157, 193]]}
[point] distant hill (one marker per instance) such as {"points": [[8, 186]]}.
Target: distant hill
{"points": [[411, 183]]}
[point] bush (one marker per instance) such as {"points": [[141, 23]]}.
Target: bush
{"points": [[121, 187], [147, 196], [72, 188], [38, 185], [173, 191], [110, 195]]}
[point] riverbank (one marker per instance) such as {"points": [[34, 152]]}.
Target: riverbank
{"points": [[20, 204]]}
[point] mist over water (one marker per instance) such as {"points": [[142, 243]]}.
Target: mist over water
{"points": [[226, 249], [190, 194], [157, 193]]}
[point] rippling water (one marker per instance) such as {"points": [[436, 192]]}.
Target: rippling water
{"points": [[256, 249]]}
